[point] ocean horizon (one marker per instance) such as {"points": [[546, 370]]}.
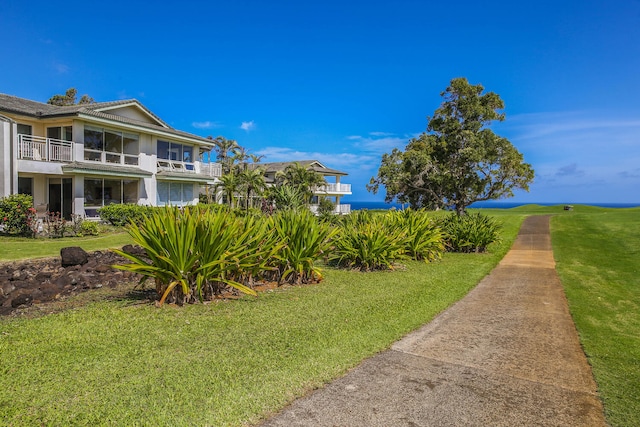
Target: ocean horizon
{"points": [[371, 205]]}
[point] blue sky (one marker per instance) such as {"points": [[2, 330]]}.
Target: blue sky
{"points": [[345, 81]]}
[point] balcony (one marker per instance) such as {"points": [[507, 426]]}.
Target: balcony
{"points": [[213, 170], [338, 210], [333, 189], [44, 149]]}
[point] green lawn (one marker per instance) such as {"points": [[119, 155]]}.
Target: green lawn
{"points": [[224, 363], [119, 362], [14, 248], [598, 259]]}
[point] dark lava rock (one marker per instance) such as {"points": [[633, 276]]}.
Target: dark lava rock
{"points": [[73, 255], [24, 299]]}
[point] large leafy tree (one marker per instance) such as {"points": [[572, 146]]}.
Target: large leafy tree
{"points": [[69, 98], [459, 160]]}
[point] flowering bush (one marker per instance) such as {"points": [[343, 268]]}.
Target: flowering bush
{"points": [[17, 215]]}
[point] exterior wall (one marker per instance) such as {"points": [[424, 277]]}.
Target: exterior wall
{"points": [[42, 171], [6, 145], [131, 113]]}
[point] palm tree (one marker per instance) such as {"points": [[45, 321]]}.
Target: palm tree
{"points": [[306, 180], [287, 197], [222, 149], [230, 184], [252, 181]]}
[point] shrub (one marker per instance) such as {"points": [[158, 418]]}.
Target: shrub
{"points": [[121, 214], [89, 228], [368, 242], [54, 225], [306, 241], [193, 254], [469, 233], [424, 239], [17, 215]]}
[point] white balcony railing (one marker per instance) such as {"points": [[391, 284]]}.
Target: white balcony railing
{"points": [[338, 210], [334, 188], [44, 149], [210, 169]]}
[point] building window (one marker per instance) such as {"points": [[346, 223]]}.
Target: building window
{"points": [[24, 129], [105, 145], [25, 185], [176, 152], [62, 133], [102, 192], [174, 193]]}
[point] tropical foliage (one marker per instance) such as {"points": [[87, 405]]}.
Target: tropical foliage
{"points": [[370, 241], [367, 242], [424, 239], [197, 254], [470, 233], [190, 251], [286, 197], [17, 215], [120, 214], [459, 160], [306, 241], [302, 178]]}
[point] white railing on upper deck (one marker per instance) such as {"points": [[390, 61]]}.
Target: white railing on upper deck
{"points": [[333, 188], [338, 210], [44, 149], [211, 169]]}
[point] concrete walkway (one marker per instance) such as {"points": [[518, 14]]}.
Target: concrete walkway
{"points": [[505, 355]]}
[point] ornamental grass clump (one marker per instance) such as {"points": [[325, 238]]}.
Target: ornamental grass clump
{"points": [[306, 241], [469, 233], [424, 240], [368, 242]]}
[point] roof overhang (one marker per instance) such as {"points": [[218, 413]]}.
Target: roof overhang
{"points": [[186, 177], [105, 170]]}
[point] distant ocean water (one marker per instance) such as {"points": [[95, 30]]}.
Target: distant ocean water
{"points": [[492, 205]]}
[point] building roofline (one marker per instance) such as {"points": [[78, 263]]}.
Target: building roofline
{"points": [[99, 112]]}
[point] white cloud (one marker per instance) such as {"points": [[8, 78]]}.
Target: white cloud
{"points": [[331, 159], [248, 126], [381, 145], [570, 170], [578, 156], [61, 68], [206, 125]]}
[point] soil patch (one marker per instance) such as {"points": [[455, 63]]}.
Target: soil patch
{"points": [[24, 284]]}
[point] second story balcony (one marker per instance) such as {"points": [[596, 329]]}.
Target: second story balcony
{"points": [[44, 149], [331, 188], [212, 170]]}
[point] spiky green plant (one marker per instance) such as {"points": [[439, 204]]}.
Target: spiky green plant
{"points": [[368, 242], [470, 233], [188, 250], [424, 239], [306, 241]]}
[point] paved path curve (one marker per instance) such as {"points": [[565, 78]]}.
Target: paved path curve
{"points": [[505, 355]]}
